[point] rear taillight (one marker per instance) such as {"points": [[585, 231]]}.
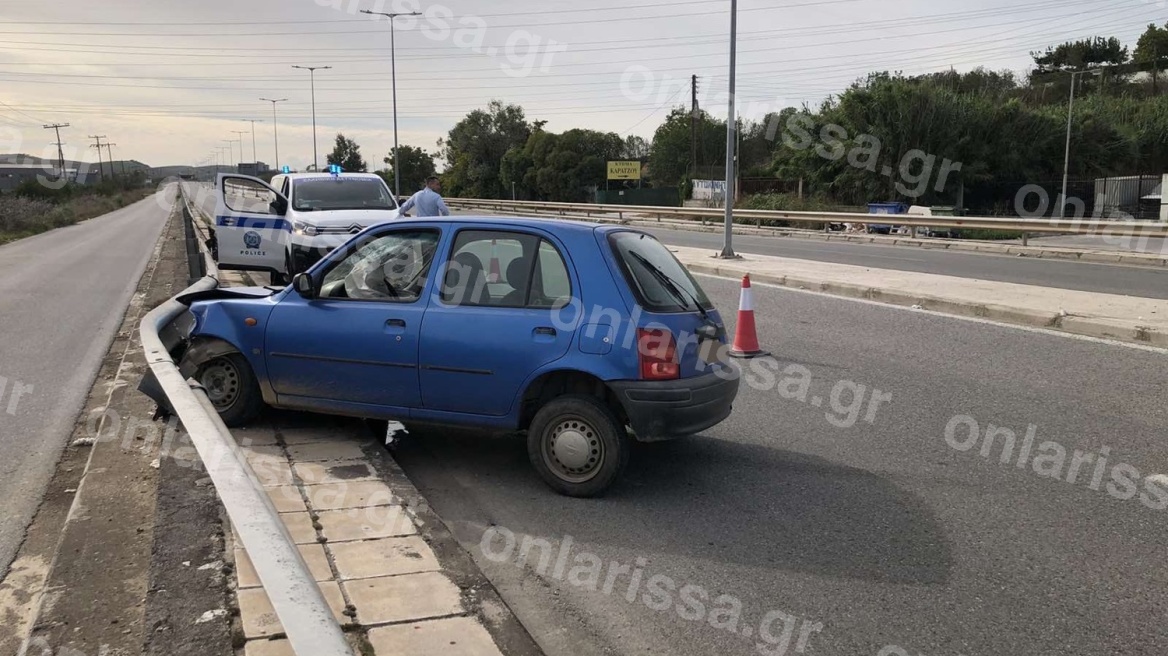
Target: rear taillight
{"points": [[658, 354]]}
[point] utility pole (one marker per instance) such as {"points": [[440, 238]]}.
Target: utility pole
{"points": [[100, 166], [312, 81], [728, 245], [693, 127], [255, 158], [275, 133], [60, 152], [393, 77], [109, 151]]}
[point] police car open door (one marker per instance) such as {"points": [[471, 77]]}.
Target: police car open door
{"points": [[250, 229]]}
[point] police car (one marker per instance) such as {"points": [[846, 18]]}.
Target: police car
{"points": [[285, 227]]}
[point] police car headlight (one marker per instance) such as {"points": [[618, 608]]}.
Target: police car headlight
{"points": [[301, 228]]}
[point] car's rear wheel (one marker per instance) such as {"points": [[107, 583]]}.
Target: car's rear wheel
{"points": [[232, 388], [577, 445]]}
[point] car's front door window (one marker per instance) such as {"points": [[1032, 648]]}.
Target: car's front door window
{"points": [[386, 267]]}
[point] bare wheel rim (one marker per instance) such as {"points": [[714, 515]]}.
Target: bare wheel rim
{"points": [[572, 450], [221, 380]]}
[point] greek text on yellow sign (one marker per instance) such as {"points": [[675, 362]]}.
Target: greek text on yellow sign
{"points": [[624, 170]]}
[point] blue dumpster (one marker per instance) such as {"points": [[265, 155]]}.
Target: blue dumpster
{"points": [[885, 208]]}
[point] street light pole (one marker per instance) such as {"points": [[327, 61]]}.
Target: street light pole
{"points": [[241, 133], [1067, 156], [728, 245], [255, 158], [393, 78], [312, 82], [275, 133]]}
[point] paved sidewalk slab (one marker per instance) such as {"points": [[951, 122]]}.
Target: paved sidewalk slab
{"points": [[1125, 318], [455, 636], [380, 577]]}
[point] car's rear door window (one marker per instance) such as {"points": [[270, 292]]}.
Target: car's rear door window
{"points": [[505, 269], [670, 288]]}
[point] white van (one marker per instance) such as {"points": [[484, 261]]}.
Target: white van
{"points": [[285, 227]]}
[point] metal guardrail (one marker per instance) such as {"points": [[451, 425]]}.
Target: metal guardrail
{"points": [[1084, 226], [309, 623]]}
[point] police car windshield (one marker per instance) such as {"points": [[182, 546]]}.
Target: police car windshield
{"points": [[341, 193]]}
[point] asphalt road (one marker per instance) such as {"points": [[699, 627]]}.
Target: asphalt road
{"points": [[1085, 276], [882, 532], [62, 298]]}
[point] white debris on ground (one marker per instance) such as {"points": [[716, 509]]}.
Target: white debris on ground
{"points": [[211, 615]]}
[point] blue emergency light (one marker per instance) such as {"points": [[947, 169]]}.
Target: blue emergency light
{"points": [[285, 169], [335, 169]]}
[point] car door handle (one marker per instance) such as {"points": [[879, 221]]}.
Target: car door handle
{"points": [[545, 330], [395, 323]]}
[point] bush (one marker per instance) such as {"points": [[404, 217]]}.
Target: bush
{"points": [[21, 216], [783, 202], [33, 190]]}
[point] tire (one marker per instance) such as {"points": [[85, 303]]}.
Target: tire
{"points": [[585, 423], [231, 385]]}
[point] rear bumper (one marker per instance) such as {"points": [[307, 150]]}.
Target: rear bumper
{"points": [[661, 410]]}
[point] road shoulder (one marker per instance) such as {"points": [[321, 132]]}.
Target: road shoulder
{"points": [[82, 576]]}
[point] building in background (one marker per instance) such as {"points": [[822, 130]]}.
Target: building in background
{"points": [[253, 168]]}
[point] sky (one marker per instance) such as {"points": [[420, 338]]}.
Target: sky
{"points": [[170, 81]]}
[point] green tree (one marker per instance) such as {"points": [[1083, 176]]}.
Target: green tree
{"points": [[416, 166], [671, 153], [561, 167], [475, 147], [1152, 48], [347, 154], [635, 148], [1082, 55]]}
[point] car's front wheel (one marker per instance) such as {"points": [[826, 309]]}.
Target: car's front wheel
{"points": [[232, 387], [578, 445]]}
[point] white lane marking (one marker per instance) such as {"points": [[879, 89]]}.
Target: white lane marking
{"points": [[990, 322]]}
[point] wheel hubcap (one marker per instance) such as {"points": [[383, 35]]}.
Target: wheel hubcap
{"points": [[573, 450], [221, 380]]}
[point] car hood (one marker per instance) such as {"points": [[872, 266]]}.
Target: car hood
{"points": [[228, 292], [345, 218]]}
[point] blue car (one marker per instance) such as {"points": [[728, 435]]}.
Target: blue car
{"points": [[585, 336]]}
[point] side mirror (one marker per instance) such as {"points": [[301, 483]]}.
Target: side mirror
{"points": [[302, 283], [279, 207]]}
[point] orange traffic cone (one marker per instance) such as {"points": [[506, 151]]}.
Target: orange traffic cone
{"points": [[745, 335], [493, 273]]}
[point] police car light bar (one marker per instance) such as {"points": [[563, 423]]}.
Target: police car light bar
{"points": [[286, 169], [335, 169]]}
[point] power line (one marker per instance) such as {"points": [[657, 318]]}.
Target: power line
{"points": [[350, 33]]}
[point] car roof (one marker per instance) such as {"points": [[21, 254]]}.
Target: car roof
{"points": [[553, 225], [326, 174]]}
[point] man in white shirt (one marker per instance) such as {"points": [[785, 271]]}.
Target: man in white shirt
{"points": [[428, 201]]}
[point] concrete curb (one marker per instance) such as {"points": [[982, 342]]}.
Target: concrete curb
{"points": [[1102, 327]]}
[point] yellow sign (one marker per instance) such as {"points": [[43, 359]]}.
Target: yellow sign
{"points": [[624, 170]]}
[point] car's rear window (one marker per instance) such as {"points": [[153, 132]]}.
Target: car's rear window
{"points": [[638, 254], [341, 194]]}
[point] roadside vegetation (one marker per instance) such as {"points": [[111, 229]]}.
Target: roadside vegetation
{"points": [[1006, 130], [34, 208]]}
